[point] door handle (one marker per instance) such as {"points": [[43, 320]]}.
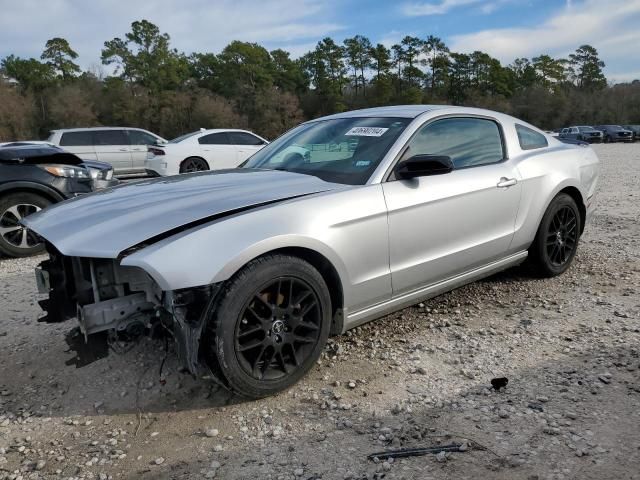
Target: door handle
{"points": [[506, 182], [124, 149]]}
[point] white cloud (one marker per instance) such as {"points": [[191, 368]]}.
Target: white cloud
{"points": [[194, 25], [609, 25], [428, 8]]}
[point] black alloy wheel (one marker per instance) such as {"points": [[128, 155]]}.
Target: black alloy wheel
{"points": [[556, 242], [193, 164], [562, 236], [278, 328], [268, 326]]}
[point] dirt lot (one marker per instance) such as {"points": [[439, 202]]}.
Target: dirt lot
{"points": [[570, 347]]}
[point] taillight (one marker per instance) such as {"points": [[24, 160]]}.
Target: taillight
{"points": [[156, 151]]}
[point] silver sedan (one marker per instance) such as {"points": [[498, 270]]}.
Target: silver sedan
{"points": [[339, 221]]}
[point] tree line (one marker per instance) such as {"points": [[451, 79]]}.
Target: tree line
{"points": [[154, 86]]}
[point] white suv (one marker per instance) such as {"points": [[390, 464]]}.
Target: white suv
{"points": [[124, 148]]}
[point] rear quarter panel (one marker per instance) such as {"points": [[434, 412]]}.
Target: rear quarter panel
{"points": [[544, 173]]}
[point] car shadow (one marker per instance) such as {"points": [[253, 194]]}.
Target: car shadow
{"points": [[532, 427]]}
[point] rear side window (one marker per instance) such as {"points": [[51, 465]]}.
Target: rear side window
{"points": [[215, 139], [470, 142], [110, 137], [242, 138], [76, 139], [530, 139], [137, 137]]}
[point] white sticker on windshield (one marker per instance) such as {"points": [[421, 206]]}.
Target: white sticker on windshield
{"points": [[366, 131]]}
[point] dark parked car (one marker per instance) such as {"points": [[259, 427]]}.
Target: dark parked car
{"points": [[582, 133], [635, 129], [615, 133], [33, 176]]}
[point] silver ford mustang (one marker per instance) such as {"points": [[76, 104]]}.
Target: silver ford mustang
{"points": [[339, 221]]}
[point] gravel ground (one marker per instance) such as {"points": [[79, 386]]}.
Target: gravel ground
{"points": [[420, 377]]}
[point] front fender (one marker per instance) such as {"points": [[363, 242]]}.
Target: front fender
{"points": [[280, 242], [348, 228]]}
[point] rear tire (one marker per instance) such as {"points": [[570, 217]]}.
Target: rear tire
{"points": [[556, 241], [193, 164], [269, 326], [15, 240]]}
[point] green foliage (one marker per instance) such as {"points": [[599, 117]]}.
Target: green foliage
{"points": [[30, 73], [587, 68], [59, 56], [154, 86], [145, 58]]}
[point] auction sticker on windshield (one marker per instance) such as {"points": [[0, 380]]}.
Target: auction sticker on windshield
{"points": [[366, 131]]}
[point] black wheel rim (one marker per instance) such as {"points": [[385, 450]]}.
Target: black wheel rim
{"points": [[278, 328], [562, 236], [12, 232], [193, 165]]}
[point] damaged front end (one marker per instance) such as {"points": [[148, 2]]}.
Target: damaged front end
{"points": [[115, 303]]}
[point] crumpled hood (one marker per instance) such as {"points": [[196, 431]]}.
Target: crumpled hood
{"points": [[105, 223]]}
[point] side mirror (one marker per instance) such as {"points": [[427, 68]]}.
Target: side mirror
{"points": [[423, 166]]}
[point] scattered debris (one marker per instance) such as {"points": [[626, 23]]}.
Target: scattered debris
{"points": [[416, 452], [498, 383]]}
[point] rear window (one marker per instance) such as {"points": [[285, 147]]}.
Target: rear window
{"points": [[530, 139], [242, 138], [138, 137], [76, 139], [110, 137], [215, 139]]}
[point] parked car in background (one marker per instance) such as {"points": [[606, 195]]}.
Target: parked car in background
{"points": [[124, 148], [635, 129], [251, 269], [33, 176], [615, 133], [583, 133], [20, 143], [203, 150]]}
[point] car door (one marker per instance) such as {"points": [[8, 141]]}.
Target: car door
{"points": [[139, 140], [575, 133], [112, 146], [443, 225], [246, 144], [218, 151]]}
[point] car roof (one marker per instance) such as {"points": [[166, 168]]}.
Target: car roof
{"points": [[221, 130], [84, 129], [403, 111], [414, 111]]}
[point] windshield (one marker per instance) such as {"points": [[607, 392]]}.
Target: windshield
{"points": [[183, 137], [586, 129], [341, 150]]}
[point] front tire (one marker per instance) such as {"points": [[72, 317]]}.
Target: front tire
{"points": [[269, 326], [15, 240], [193, 164], [556, 242]]}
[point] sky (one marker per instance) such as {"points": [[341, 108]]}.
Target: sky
{"points": [[506, 29]]}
